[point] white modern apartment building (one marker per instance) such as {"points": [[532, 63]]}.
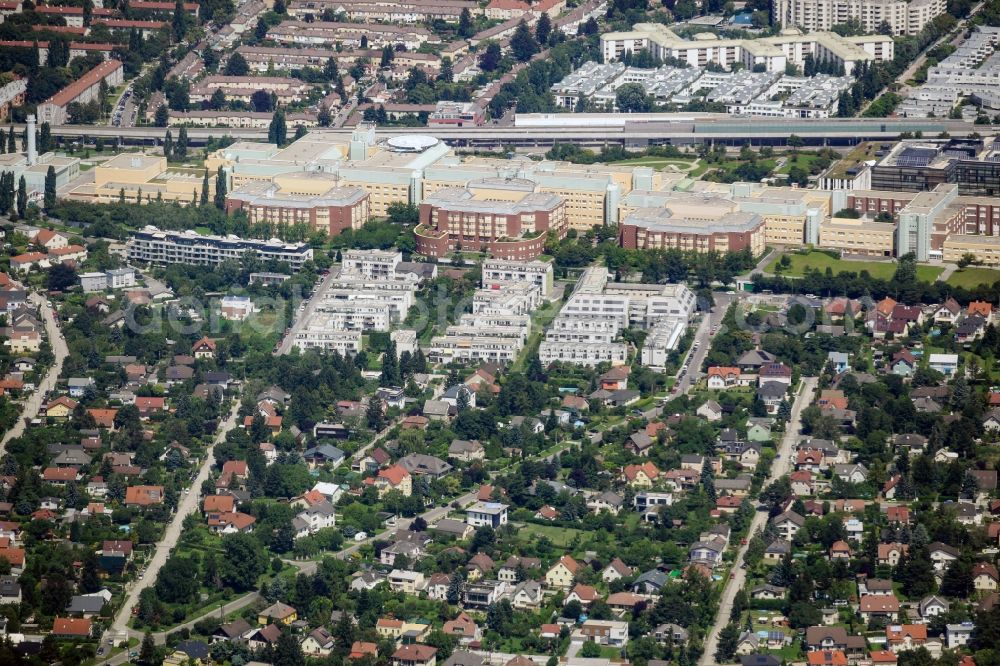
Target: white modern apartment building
{"points": [[321, 333], [904, 18], [362, 314], [582, 353], [473, 349], [378, 264], [116, 278], [499, 271], [586, 330], [520, 322], [771, 53], [155, 246], [582, 329], [398, 301], [662, 339], [511, 298]]}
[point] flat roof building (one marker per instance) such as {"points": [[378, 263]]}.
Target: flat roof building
{"points": [[156, 246]]}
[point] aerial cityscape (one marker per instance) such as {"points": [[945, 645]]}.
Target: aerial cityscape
{"points": [[500, 332]]}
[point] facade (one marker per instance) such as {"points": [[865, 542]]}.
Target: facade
{"points": [[648, 229], [115, 278], [142, 178], [324, 33], [151, 245], [903, 18], [507, 218], [291, 200], [917, 165], [772, 54], [492, 514], [499, 271], [85, 89]]}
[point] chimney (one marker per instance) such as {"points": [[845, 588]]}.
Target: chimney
{"points": [[32, 151]]}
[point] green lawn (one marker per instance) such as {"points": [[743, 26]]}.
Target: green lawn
{"points": [[970, 278], [656, 162], [559, 536], [804, 161], [877, 269]]}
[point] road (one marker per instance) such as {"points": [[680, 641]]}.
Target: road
{"points": [[299, 317], [639, 132], [189, 503], [48, 383], [780, 467], [702, 338]]}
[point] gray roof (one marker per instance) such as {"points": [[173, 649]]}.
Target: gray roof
{"points": [[85, 604], [421, 463], [436, 408], [463, 658]]}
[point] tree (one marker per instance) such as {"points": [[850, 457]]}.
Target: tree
{"points": [[455, 588], [61, 277], [44, 138], [388, 54], [375, 415], [795, 142], [168, 145], [147, 652], [22, 198], [590, 649], [243, 562], [204, 190], [179, 22], [50, 188], [88, 12], [323, 117], [543, 29], [728, 639], [523, 44], [489, 59], [181, 149], [220, 189], [217, 101], [287, 651], [632, 98], [237, 65], [162, 116], [277, 131], [465, 27], [400, 212]]}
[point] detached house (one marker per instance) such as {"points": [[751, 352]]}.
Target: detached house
{"points": [[562, 573]]}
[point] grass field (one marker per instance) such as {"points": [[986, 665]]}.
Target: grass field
{"points": [[560, 537], [804, 161], [877, 269], [970, 278], [658, 162]]}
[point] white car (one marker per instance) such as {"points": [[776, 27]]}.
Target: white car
{"points": [[360, 536]]}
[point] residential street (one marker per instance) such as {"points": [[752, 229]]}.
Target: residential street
{"points": [[779, 468], [48, 383], [188, 503]]}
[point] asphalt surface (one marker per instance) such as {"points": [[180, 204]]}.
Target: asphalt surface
{"points": [[780, 467], [188, 504], [48, 383], [300, 317]]}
